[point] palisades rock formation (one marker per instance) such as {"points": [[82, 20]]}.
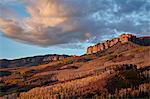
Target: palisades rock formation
{"points": [[123, 38]]}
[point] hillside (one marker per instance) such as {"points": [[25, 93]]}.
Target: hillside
{"points": [[120, 71], [31, 61]]}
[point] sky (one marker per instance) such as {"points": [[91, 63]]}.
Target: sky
{"points": [[39, 27]]}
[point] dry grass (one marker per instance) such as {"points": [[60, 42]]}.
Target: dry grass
{"points": [[80, 76]]}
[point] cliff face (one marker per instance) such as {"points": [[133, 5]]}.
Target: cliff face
{"points": [[31, 61], [145, 41]]}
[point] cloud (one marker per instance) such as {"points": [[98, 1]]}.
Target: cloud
{"points": [[53, 22]]}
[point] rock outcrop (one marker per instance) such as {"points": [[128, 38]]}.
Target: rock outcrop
{"points": [[145, 41], [31, 61]]}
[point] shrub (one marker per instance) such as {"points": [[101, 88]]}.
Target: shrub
{"points": [[5, 73]]}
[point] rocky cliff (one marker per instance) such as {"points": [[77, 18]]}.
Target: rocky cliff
{"points": [[31, 61], [144, 41]]}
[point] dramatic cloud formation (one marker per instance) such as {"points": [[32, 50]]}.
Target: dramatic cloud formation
{"points": [[51, 22]]}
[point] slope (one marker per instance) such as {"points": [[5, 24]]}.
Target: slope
{"points": [[82, 71]]}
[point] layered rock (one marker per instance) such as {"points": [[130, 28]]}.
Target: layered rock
{"points": [[145, 41], [30, 61]]}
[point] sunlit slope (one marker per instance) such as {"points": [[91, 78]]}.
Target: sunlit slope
{"points": [[86, 75]]}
